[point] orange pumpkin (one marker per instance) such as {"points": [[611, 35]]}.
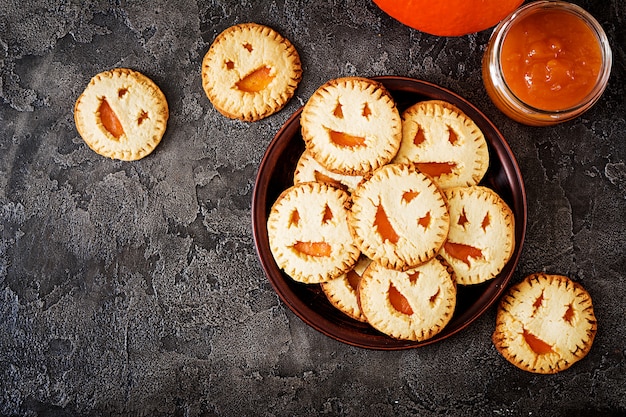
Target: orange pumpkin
{"points": [[450, 17]]}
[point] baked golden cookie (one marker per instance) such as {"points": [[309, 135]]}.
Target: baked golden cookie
{"points": [[121, 114], [309, 234], [250, 72], [545, 324], [308, 169], [351, 125], [342, 291], [444, 143], [482, 234], [411, 305], [399, 217]]}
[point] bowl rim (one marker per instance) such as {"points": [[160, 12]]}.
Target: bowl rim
{"points": [[343, 331]]}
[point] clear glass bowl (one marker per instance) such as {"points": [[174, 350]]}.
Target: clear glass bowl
{"points": [[502, 95]]}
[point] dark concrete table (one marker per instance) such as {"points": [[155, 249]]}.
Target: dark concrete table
{"points": [[135, 289]]}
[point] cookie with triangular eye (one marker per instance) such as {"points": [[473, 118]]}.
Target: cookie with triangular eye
{"points": [[250, 72], [414, 305], [121, 114], [308, 169], [399, 217], [342, 291], [351, 125], [308, 232], [545, 324], [481, 239], [444, 143]]}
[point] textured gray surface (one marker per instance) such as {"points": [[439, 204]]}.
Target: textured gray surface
{"points": [[134, 288]]}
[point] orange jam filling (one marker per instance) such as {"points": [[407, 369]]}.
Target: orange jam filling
{"points": [[109, 120], [424, 221], [419, 137], [384, 227], [294, 219], [452, 136], [537, 345], [328, 214], [486, 222], [320, 177], [569, 314], [256, 81], [551, 60], [398, 301], [344, 139], [353, 279], [462, 252], [318, 249], [436, 169], [408, 196]]}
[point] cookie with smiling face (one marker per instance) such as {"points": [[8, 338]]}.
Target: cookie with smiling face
{"points": [[351, 125], [309, 235], [481, 239], [545, 324], [121, 114], [250, 72], [444, 143]]}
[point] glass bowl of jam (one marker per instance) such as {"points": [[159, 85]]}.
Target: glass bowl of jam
{"points": [[546, 63]]}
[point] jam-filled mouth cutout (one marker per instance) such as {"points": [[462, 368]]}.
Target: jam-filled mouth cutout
{"points": [[312, 248], [256, 81], [111, 122], [400, 303]]}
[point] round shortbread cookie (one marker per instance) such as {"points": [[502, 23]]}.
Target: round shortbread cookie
{"points": [[411, 305], [482, 234], [399, 217], [121, 114], [250, 72], [309, 234], [351, 125], [308, 169], [342, 292], [444, 143], [545, 324]]}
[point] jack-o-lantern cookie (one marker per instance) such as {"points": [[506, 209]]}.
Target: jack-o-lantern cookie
{"points": [[482, 234], [351, 125], [545, 324], [342, 291], [411, 305], [250, 72], [122, 114], [308, 169], [444, 143], [399, 217], [309, 234]]}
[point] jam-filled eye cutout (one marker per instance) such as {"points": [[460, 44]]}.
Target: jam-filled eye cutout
{"points": [[338, 112]]}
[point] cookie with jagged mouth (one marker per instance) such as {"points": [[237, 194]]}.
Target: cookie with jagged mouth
{"points": [[545, 324], [444, 143]]}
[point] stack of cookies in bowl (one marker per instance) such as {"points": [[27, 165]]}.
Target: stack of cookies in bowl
{"points": [[386, 212]]}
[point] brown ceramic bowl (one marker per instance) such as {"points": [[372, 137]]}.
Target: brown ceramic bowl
{"points": [[307, 301]]}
